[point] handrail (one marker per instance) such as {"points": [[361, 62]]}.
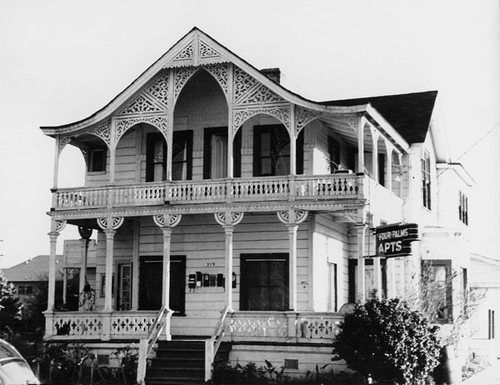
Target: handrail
{"points": [[213, 343], [146, 345]]}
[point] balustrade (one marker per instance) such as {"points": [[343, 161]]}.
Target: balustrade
{"points": [[239, 326], [240, 189]]}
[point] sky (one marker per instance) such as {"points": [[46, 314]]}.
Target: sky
{"points": [[61, 60]]}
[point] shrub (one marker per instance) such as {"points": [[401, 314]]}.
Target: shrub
{"points": [[389, 342]]}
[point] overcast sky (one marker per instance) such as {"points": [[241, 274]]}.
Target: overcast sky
{"points": [[60, 61]]}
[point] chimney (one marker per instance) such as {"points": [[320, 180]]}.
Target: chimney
{"points": [[272, 73]]}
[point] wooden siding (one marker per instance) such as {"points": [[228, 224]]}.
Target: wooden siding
{"points": [[326, 229]]}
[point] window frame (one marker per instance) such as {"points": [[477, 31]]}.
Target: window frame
{"points": [[96, 166], [426, 181]]}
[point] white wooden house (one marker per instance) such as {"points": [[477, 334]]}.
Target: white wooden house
{"points": [[227, 206]]}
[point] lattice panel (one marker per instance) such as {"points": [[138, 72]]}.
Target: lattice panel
{"points": [[220, 73], [181, 77], [206, 51], [303, 117], [185, 54], [240, 116], [159, 89], [142, 104], [131, 325], [242, 83], [102, 131], [259, 327], [319, 328], [260, 95], [78, 326]]}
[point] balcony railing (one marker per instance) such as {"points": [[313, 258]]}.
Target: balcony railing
{"points": [[240, 326], [211, 191]]}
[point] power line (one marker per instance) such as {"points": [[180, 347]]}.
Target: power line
{"points": [[497, 125]]}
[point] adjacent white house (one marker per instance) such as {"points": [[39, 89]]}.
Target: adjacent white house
{"points": [[229, 208]]}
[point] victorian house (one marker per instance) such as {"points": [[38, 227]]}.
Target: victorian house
{"points": [[228, 208]]}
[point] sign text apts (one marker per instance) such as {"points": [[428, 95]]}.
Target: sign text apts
{"points": [[395, 240]]}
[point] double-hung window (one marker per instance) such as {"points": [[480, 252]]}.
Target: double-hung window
{"points": [[426, 181]]}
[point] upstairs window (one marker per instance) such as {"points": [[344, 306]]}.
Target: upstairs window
{"points": [[272, 151], [333, 154], [156, 156], [463, 208], [215, 153], [97, 160], [182, 155], [426, 181]]}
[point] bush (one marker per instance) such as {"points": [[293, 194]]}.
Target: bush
{"points": [[389, 342], [251, 374]]}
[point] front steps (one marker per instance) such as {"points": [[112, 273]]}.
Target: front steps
{"points": [[181, 362]]}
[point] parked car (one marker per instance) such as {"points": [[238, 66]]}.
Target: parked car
{"points": [[14, 370]]}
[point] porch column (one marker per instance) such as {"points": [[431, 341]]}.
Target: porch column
{"points": [[361, 144], [85, 233], [292, 218], [112, 152], [293, 142], [170, 122], [56, 161], [361, 281], [166, 222], [375, 156], [388, 182], [109, 225], [56, 228], [228, 220], [230, 122]]}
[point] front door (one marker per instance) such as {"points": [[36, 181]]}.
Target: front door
{"points": [[264, 282], [150, 283]]}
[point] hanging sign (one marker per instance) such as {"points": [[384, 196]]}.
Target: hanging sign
{"points": [[395, 240]]}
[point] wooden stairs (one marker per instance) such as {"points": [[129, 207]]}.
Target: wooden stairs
{"points": [[181, 362]]}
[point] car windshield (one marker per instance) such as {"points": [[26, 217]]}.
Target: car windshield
{"points": [[7, 351]]}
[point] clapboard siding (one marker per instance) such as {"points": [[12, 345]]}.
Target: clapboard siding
{"points": [[331, 239]]}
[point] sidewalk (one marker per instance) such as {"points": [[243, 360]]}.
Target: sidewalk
{"points": [[490, 376]]}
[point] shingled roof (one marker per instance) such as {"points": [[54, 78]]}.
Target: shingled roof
{"points": [[409, 114], [34, 269]]}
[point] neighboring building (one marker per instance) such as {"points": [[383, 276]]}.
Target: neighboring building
{"points": [[485, 283], [268, 222]]}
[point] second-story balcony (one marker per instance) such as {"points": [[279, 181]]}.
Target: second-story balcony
{"points": [[302, 189], [277, 188]]}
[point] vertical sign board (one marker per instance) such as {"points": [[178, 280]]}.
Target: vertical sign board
{"points": [[395, 240]]}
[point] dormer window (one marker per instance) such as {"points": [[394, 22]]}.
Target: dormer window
{"points": [[97, 160], [463, 208], [426, 181]]}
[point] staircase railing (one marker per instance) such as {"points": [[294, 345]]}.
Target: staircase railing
{"points": [[146, 344], [213, 343]]}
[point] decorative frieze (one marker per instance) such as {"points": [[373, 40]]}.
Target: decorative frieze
{"points": [[206, 51], [185, 54], [116, 222], [167, 220], [242, 83], [229, 219], [292, 217], [142, 104], [303, 117], [158, 121], [102, 131], [220, 73], [240, 116], [181, 77]]}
